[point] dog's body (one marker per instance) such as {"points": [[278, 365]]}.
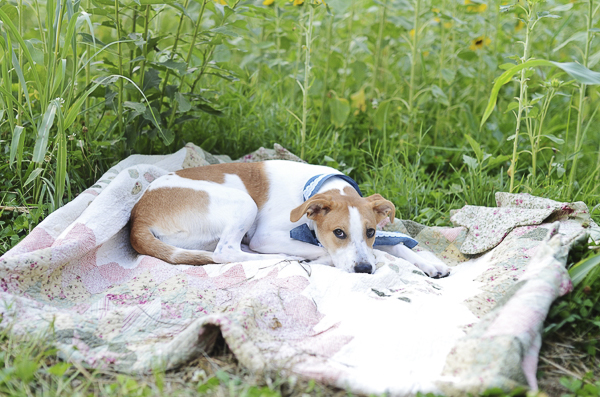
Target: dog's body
{"points": [[203, 215]]}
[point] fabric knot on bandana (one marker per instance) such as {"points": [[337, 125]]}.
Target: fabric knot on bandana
{"points": [[305, 234]]}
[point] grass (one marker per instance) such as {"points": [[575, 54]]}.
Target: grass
{"points": [[30, 367], [433, 104]]}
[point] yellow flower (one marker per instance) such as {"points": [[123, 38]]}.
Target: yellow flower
{"points": [[436, 19], [479, 42], [520, 24], [425, 53], [412, 33], [475, 7], [447, 25], [268, 2], [297, 2], [222, 2], [435, 9]]}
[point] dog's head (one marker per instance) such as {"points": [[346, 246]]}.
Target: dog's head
{"points": [[345, 225]]}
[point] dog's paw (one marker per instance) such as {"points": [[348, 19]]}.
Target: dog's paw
{"points": [[434, 269]]}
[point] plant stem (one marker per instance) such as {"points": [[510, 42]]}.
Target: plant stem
{"points": [[440, 77], [535, 143], [19, 88], [173, 52], [145, 49], [88, 79], [298, 53], [378, 47], [347, 57], [120, 63], [133, 31], [413, 63], [306, 86], [278, 51], [522, 94], [188, 59], [582, 89], [327, 62]]}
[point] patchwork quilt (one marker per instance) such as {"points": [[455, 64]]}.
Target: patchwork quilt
{"points": [[396, 331]]}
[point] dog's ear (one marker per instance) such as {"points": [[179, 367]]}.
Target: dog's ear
{"points": [[382, 208], [317, 205]]}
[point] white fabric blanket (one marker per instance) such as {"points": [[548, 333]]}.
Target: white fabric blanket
{"points": [[396, 331]]}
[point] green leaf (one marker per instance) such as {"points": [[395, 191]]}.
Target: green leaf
{"points": [[41, 143], [221, 53], [506, 66], [467, 55], [16, 144], [182, 102], [470, 162], [561, 8], [554, 139], [439, 95], [25, 369], [575, 70], [32, 177], [340, 110], [179, 67], [137, 107], [495, 161], [4, 18], [582, 268], [579, 72], [512, 106], [69, 36], [579, 36], [448, 75], [74, 110], [208, 109], [476, 148], [88, 38], [381, 115]]}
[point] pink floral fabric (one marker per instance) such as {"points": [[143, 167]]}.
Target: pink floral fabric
{"points": [[112, 308]]}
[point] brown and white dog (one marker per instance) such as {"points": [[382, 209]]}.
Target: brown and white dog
{"points": [[203, 215]]}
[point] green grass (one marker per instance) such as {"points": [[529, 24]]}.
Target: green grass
{"points": [[399, 94]]}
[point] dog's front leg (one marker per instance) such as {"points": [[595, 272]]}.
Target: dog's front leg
{"points": [[431, 265], [279, 242]]}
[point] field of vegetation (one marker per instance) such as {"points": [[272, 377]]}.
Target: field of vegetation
{"points": [[432, 103]]}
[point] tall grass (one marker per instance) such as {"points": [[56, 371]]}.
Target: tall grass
{"points": [[434, 104]]}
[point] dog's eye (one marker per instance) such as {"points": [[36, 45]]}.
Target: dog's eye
{"points": [[339, 233], [370, 233]]}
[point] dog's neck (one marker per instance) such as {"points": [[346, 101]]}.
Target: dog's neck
{"points": [[318, 183]]}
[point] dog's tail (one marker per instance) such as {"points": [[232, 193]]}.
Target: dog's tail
{"points": [[146, 243]]}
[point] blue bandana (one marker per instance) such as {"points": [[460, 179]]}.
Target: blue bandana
{"points": [[303, 232]]}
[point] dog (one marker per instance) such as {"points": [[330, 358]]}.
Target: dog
{"points": [[209, 214]]}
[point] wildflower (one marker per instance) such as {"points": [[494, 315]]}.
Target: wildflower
{"points": [[479, 42], [297, 2], [268, 2], [222, 2], [412, 33], [475, 7], [447, 25]]}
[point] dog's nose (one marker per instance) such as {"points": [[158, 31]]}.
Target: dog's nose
{"points": [[363, 268]]}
